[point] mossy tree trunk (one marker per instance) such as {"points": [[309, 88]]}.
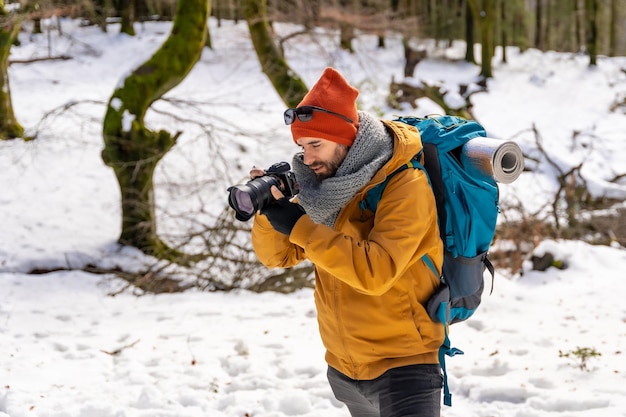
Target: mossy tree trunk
{"points": [[347, 11], [519, 26], [131, 149], [346, 36], [9, 29], [126, 10], [484, 12], [288, 85]]}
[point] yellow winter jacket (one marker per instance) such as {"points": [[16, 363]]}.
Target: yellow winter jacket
{"points": [[370, 284]]}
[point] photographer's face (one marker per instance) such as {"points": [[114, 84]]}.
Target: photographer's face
{"points": [[323, 156]]}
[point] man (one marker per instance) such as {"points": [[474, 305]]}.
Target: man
{"points": [[371, 286]]}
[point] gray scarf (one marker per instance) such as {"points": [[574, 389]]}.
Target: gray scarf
{"points": [[372, 148]]}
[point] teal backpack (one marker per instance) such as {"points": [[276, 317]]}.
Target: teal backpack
{"points": [[467, 211]]}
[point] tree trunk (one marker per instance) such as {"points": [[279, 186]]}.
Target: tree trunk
{"points": [[504, 29], [347, 10], [549, 24], [578, 27], [126, 10], [591, 10], [288, 85], [485, 12], [520, 26], [381, 42], [9, 29], [412, 57], [132, 150], [208, 42], [487, 37], [142, 12], [538, 25], [613, 29], [346, 35], [469, 35], [100, 14]]}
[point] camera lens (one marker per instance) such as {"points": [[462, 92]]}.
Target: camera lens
{"points": [[244, 201], [255, 195]]}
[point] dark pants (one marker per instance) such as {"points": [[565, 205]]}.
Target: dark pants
{"points": [[408, 391]]}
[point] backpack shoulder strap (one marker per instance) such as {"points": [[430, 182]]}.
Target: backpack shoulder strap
{"points": [[374, 195], [433, 170]]}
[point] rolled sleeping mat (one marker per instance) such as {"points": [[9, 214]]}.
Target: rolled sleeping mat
{"points": [[502, 160]]}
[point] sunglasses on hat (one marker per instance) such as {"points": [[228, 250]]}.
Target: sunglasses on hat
{"points": [[305, 114]]}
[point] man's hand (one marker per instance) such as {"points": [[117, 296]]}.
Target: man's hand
{"points": [[256, 172], [282, 213]]}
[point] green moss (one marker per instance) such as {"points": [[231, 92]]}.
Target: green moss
{"points": [[133, 154], [289, 87], [9, 127]]}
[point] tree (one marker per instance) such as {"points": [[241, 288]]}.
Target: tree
{"points": [[519, 25], [469, 34], [538, 25], [9, 29], [613, 25], [287, 83], [347, 12], [126, 10], [484, 12], [100, 13], [504, 29], [578, 26], [591, 10], [131, 149]]}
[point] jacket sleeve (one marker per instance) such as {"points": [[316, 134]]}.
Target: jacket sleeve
{"points": [[404, 229], [272, 248]]}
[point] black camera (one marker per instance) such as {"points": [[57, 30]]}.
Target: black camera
{"points": [[247, 199]]}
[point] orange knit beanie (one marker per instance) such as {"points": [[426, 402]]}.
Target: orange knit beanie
{"points": [[331, 92]]}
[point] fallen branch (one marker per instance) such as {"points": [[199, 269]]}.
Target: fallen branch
{"points": [[48, 58], [119, 350]]}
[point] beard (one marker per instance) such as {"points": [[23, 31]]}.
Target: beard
{"points": [[330, 167]]}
